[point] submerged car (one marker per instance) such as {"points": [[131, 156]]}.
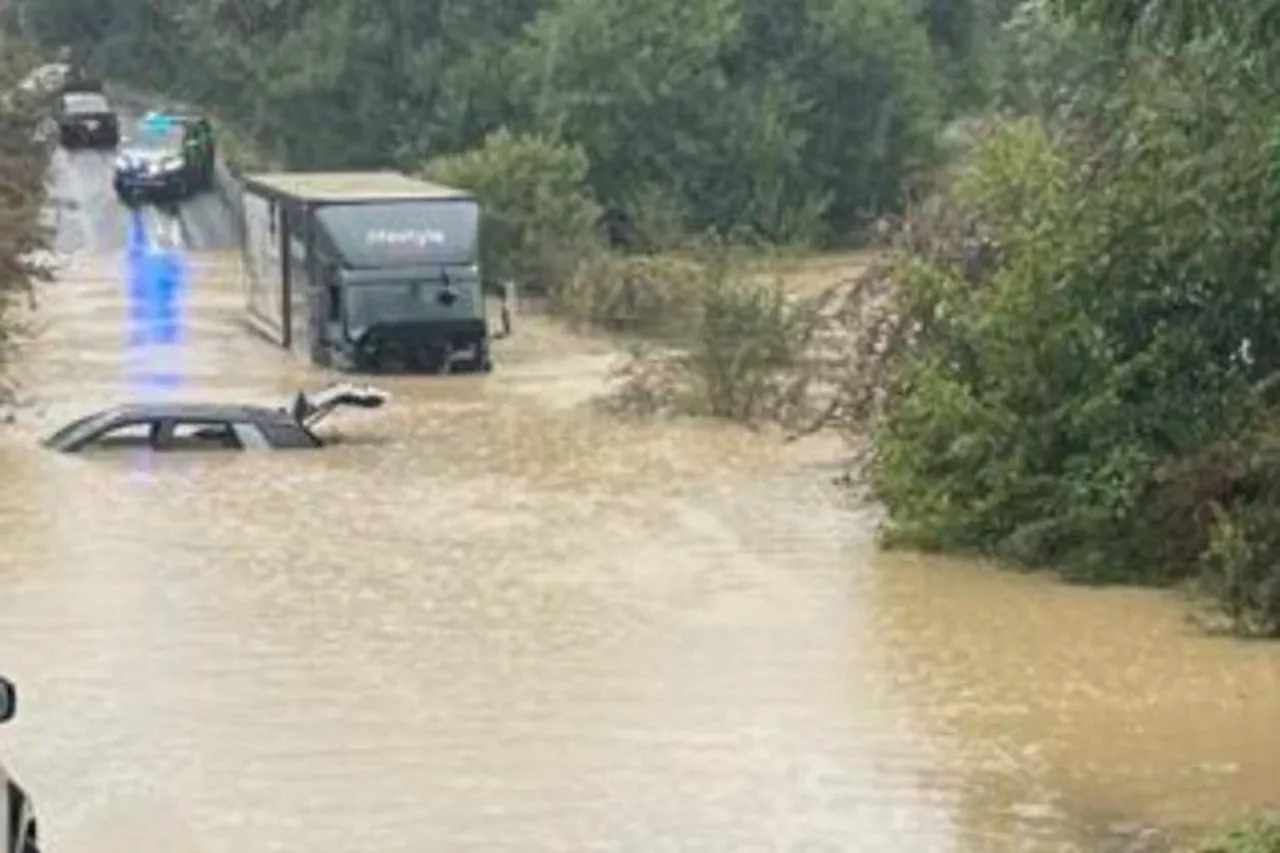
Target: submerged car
{"points": [[16, 815], [85, 118], [170, 158], [213, 426]]}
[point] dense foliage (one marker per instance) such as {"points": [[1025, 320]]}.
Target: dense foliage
{"points": [[24, 158], [797, 120], [539, 208], [1079, 358]]}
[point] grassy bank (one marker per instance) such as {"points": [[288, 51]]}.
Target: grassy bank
{"points": [[1258, 836]]}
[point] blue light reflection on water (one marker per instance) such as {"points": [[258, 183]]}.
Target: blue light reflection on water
{"points": [[155, 277]]}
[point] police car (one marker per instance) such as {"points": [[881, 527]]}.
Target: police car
{"points": [[169, 159]]}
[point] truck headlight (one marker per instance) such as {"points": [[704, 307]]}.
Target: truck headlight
{"points": [[170, 164]]}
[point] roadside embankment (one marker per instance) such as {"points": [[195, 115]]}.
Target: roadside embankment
{"points": [[24, 235]]}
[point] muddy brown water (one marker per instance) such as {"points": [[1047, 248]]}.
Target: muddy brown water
{"points": [[488, 619]]}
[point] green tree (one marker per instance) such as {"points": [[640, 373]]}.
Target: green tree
{"points": [[537, 206], [24, 160]]}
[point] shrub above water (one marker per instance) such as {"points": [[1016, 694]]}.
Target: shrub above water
{"points": [[1120, 323]]}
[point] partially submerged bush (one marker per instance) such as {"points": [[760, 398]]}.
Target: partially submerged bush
{"points": [[737, 344], [1219, 511], [1064, 325], [650, 295], [539, 216]]}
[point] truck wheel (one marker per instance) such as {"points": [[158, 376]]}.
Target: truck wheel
{"points": [[29, 844], [480, 362]]}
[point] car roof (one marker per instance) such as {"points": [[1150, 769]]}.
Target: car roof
{"points": [[352, 186], [78, 430], [197, 411]]}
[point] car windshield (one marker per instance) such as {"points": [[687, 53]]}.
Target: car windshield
{"points": [[85, 102], [166, 141], [75, 430]]}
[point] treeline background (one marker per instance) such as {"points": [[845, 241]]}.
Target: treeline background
{"points": [[798, 121]]}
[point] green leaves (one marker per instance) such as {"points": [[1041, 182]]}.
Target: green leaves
{"points": [[536, 202], [794, 122], [1125, 327], [24, 159]]}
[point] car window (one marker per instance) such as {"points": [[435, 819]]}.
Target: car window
{"points": [[129, 434], [75, 426], [250, 437], [85, 102], [286, 435], [202, 435]]}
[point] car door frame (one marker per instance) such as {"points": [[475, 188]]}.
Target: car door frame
{"points": [[113, 425], [162, 439]]}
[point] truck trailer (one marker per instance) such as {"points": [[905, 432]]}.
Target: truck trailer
{"points": [[365, 271]]}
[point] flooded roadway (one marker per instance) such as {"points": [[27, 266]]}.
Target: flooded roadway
{"points": [[490, 620]]}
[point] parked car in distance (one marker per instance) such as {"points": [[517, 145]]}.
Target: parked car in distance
{"points": [[86, 119]]}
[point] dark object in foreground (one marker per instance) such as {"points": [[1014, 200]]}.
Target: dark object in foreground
{"points": [[86, 119], [213, 426], [16, 815]]}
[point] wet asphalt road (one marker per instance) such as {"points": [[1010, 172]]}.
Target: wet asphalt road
{"points": [[90, 219]]}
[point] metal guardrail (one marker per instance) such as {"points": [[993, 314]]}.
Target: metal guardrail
{"points": [[228, 189]]}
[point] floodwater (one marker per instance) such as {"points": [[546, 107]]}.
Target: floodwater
{"points": [[488, 619]]}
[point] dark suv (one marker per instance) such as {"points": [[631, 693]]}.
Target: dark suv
{"points": [[171, 159], [16, 815], [85, 118]]}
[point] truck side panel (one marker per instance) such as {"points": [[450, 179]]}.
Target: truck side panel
{"points": [[301, 317], [264, 284]]}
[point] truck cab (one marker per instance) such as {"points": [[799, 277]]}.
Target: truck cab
{"points": [[366, 271]]}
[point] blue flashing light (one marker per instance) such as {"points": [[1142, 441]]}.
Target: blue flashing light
{"points": [[156, 121]]}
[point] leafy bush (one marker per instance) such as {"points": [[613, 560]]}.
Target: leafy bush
{"points": [[650, 295], [538, 214], [24, 160], [1077, 323], [734, 343]]}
